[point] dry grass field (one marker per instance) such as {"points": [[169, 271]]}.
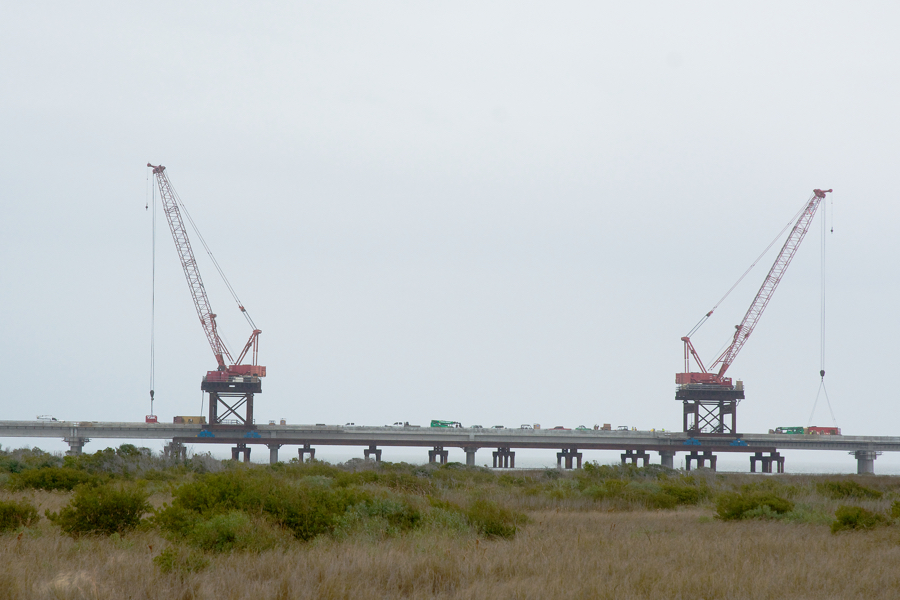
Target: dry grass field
{"points": [[570, 547]]}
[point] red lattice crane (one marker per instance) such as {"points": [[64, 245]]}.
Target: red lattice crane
{"points": [[708, 396], [233, 383]]}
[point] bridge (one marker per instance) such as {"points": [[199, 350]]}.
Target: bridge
{"points": [[636, 446]]}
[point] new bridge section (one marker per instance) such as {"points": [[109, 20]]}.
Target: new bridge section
{"points": [[635, 445]]}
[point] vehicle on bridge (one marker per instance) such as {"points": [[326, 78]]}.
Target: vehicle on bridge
{"points": [[823, 430], [790, 430], [190, 420], [437, 423]]}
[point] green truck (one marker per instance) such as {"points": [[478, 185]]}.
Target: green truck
{"points": [[436, 423], [791, 430]]}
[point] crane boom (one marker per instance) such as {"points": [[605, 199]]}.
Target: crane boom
{"points": [[743, 331], [751, 318], [189, 264]]}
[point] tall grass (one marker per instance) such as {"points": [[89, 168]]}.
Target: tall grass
{"points": [[362, 530]]}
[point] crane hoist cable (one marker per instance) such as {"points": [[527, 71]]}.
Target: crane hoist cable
{"points": [[151, 191], [822, 388]]}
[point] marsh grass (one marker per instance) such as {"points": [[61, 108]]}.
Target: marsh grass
{"points": [[428, 531]]}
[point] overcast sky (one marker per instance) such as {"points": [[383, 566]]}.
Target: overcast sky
{"points": [[497, 213]]}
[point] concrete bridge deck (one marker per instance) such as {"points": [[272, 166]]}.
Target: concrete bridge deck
{"points": [[634, 444]]}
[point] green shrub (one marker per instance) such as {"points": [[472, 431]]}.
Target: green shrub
{"points": [[839, 490], [856, 517], [177, 560], [307, 507], [732, 506], [105, 509], [17, 514], [309, 511], [51, 478], [895, 509], [493, 520], [234, 530], [684, 493]]}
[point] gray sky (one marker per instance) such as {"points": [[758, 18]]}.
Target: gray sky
{"points": [[497, 213]]}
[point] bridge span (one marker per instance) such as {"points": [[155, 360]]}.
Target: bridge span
{"points": [[636, 446]]}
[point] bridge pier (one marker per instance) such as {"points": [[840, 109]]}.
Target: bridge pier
{"points": [[667, 458], [470, 455], [241, 449], [865, 461], [438, 454], [568, 454], [372, 450], [175, 450], [273, 453], [634, 456], [774, 458], [306, 449], [76, 445], [701, 458], [504, 458]]}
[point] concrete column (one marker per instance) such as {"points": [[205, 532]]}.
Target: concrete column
{"points": [[306, 449], [76, 445], [779, 460], [175, 450], [470, 456], [634, 456], [667, 458], [240, 449], [865, 461], [273, 453], [372, 450], [438, 454], [504, 458]]}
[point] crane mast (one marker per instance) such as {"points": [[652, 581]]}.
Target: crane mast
{"points": [[232, 384], [709, 397]]}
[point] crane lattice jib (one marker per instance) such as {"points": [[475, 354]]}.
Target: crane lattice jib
{"points": [[743, 331], [189, 263]]}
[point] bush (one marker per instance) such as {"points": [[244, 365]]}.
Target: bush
{"points": [[895, 509], [493, 520], [17, 514], [683, 493], [306, 508], [104, 509], [733, 506], [838, 490], [234, 530], [172, 560], [309, 511], [856, 517], [51, 478]]}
